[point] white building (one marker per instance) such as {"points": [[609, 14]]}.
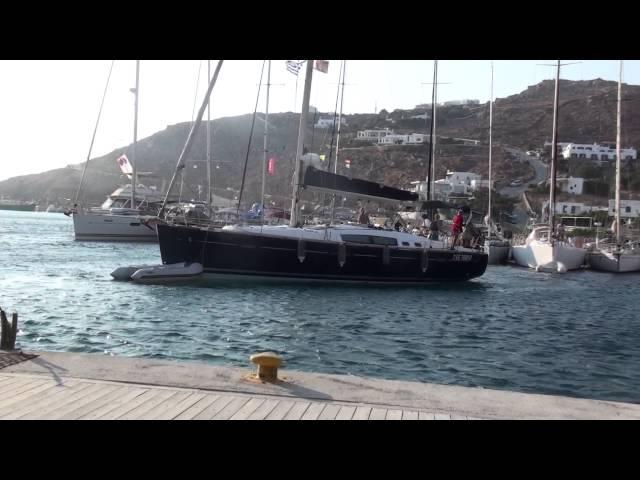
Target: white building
{"points": [[442, 189], [455, 183], [573, 185], [397, 139], [597, 152], [327, 122], [467, 141], [478, 184], [417, 138], [569, 208], [462, 178], [628, 208], [393, 139], [373, 135]]}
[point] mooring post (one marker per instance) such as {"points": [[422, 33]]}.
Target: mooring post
{"points": [[8, 332], [268, 364]]}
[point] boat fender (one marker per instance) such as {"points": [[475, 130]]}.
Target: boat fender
{"points": [[562, 268], [386, 255], [302, 252], [424, 260], [342, 254]]}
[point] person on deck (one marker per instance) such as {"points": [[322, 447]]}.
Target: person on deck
{"points": [[469, 233], [424, 228], [560, 232], [363, 216], [456, 227], [434, 228]]}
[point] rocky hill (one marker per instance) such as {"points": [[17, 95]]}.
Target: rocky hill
{"points": [[587, 114]]}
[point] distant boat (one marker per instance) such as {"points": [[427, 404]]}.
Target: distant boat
{"points": [[18, 205], [544, 248], [618, 256], [115, 220], [122, 217]]}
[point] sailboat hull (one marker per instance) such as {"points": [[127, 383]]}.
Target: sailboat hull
{"points": [[498, 254], [233, 255], [539, 254], [112, 228], [611, 262]]}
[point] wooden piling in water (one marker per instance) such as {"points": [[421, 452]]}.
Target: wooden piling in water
{"points": [[8, 331]]}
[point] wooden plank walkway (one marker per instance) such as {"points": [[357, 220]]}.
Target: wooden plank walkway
{"points": [[24, 396]]}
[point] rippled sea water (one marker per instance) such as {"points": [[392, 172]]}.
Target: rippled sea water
{"points": [[576, 334]]}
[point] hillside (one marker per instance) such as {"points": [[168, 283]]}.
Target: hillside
{"points": [[587, 114]]}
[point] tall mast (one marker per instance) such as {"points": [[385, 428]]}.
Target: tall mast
{"points": [[344, 72], [301, 131], [490, 145], [335, 166], [209, 169], [435, 109], [618, 135], [134, 160], [554, 154], [266, 130]]}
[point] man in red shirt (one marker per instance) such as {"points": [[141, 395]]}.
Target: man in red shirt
{"points": [[456, 227]]}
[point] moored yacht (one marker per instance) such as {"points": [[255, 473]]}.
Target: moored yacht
{"points": [[545, 249], [622, 255], [116, 220], [335, 253]]}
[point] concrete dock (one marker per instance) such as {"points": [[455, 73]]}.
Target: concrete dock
{"points": [[79, 386]]}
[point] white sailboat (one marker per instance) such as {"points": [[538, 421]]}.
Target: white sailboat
{"points": [[496, 247], [543, 250], [617, 257], [122, 216]]}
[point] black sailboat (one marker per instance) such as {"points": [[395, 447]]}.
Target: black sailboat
{"points": [[334, 253]]}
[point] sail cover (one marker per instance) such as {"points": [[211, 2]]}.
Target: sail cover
{"points": [[322, 181]]}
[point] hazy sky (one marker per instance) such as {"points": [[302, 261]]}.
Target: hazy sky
{"points": [[48, 108]]}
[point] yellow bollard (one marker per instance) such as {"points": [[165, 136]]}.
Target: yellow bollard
{"points": [[268, 364]]}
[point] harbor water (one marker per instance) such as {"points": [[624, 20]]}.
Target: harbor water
{"points": [[576, 334]]}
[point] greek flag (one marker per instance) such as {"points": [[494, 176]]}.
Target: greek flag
{"points": [[322, 65], [294, 67]]}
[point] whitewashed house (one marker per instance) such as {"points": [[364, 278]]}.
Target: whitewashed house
{"points": [[605, 152], [573, 185], [455, 183], [373, 135], [569, 208], [628, 208], [327, 122], [410, 139]]}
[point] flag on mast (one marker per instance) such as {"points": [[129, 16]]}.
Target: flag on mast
{"points": [[125, 166], [322, 66]]}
